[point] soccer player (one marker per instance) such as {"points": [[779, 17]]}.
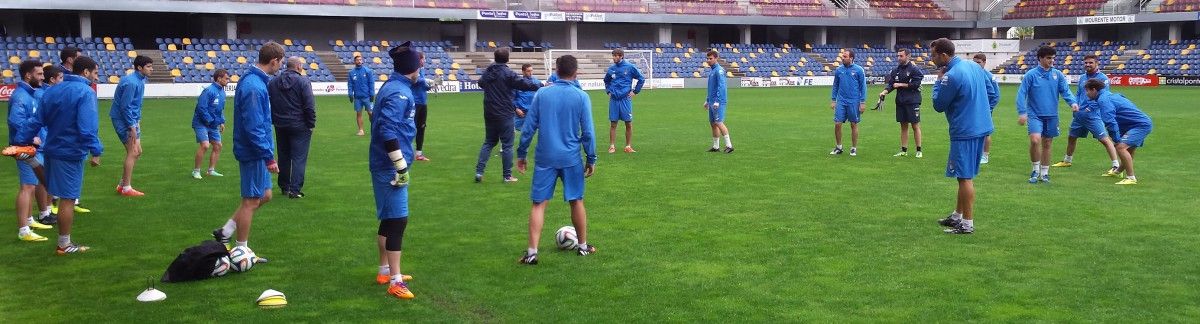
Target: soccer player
{"points": [[1037, 107], [905, 79], [126, 114], [68, 111], [617, 82], [498, 83], [561, 116], [22, 109], [523, 99], [716, 101], [1102, 124], [68, 55], [252, 144], [54, 76], [209, 122], [420, 92], [1134, 125], [981, 59], [965, 93], [849, 91], [391, 149], [361, 85]]}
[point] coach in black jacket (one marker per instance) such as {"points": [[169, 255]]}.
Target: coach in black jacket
{"points": [[498, 83], [905, 79], [294, 114]]}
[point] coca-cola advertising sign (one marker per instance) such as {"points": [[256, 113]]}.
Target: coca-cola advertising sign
{"points": [[1134, 80], [6, 91]]}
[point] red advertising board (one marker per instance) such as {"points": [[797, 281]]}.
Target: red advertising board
{"points": [[1134, 80], [6, 90]]}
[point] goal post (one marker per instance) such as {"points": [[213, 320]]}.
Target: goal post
{"points": [[594, 63]]}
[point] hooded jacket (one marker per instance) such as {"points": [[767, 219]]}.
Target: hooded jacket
{"points": [[498, 83], [292, 103]]}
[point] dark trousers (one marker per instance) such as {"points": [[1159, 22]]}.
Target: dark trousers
{"points": [[497, 131], [293, 156], [422, 113]]}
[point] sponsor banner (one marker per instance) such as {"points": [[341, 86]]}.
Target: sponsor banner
{"points": [[987, 45], [806, 81], [1134, 80], [593, 17], [1007, 78], [6, 91], [877, 79], [594, 84], [667, 83], [1193, 81], [1104, 20], [493, 14], [574, 16], [469, 86], [527, 15]]}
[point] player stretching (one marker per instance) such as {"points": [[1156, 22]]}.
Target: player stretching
{"points": [[1132, 122], [561, 115], [965, 93], [1102, 124]]}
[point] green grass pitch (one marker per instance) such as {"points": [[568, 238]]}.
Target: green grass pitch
{"points": [[777, 231]]}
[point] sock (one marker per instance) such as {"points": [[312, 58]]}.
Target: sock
{"points": [[1045, 170], [397, 278], [229, 227], [385, 270], [243, 243], [904, 149], [969, 222], [1131, 178], [839, 146], [419, 153], [46, 212], [126, 187], [918, 148], [77, 203], [64, 241], [728, 143], [583, 245], [1037, 166], [530, 251], [212, 169], [716, 142], [853, 149], [956, 215], [24, 230], [197, 170], [1116, 164], [1067, 158]]}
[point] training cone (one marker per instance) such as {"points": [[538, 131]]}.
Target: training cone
{"points": [[151, 295], [272, 298]]}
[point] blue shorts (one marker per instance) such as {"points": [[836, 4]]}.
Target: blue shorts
{"points": [[25, 172], [620, 109], [846, 113], [1135, 136], [1045, 125], [390, 202], [363, 103], [544, 180], [963, 162], [64, 178], [716, 115], [256, 180], [204, 134], [1081, 126], [122, 130]]}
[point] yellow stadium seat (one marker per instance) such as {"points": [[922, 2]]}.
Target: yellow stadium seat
{"points": [[110, 47], [171, 47], [792, 68], [1185, 67], [455, 66], [314, 66], [760, 50], [736, 51], [804, 59], [128, 71], [809, 73], [1152, 71], [374, 49], [14, 59], [774, 74], [1114, 57], [728, 74], [694, 74], [734, 65], [452, 77], [107, 40], [658, 50], [385, 43], [752, 69], [827, 68], [1024, 67], [1191, 46], [807, 46], [211, 54], [705, 64], [687, 55], [1121, 66], [1174, 42], [187, 41], [785, 50], [34, 54], [234, 78], [674, 75], [209, 66], [188, 60], [753, 56], [113, 79], [777, 55], [224, 47], [438, 72], [676, 60], [308, 48], [50, 40], [678, 45], [690, 51], [727, 45], [356, 54], [1066, 71], [287, 41], [303, 72], [176, 73], [377, 60], [383, 77], [744, 60], [1185, 52], [491, 44], [1146, 57], [1171, 62], [241, 60], [7, 73], [131, 54]]}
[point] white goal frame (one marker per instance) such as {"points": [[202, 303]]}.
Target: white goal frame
{"points": [[643, 59]]}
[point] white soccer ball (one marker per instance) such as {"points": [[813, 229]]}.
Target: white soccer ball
{"points": [[222, 266], [566, 238], [241, 259]]}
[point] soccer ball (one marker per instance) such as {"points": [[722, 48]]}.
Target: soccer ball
{"points": [[566, 238], [241, 259], [222, 267]]}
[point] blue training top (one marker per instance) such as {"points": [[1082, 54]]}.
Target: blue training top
{"points": [[561, 115]]}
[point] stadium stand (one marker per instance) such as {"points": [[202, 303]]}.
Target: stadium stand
{"points": [[1070, 56], [1164, 58], [909, 9], [114, 55], [438, 63], [527, 46], [876, 60], [793, 8], [1054, 8], [1178, 6], [192, 60], [630, 6], [712, 7]]}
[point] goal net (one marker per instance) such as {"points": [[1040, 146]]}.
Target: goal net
{"points": [[594, 63]]}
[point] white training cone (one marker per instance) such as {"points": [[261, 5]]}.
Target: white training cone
{"points": [[151, 295], [272, 298]]}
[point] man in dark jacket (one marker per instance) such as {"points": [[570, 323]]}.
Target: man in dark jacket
{"points": [[905, 80], [294, 114], [498, 83]]}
